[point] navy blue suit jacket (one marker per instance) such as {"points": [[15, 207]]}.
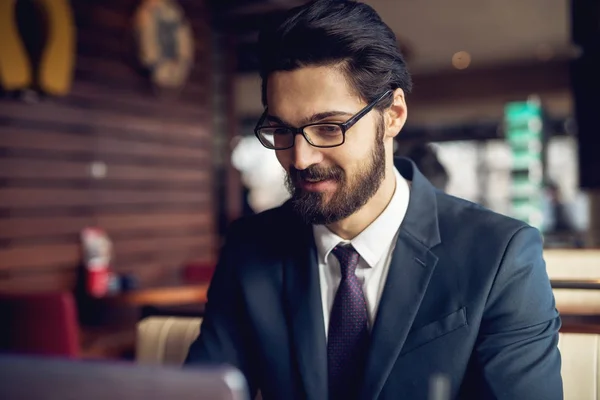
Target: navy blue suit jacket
{"points": [[467, 295]]}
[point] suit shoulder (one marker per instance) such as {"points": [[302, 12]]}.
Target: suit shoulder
{"points": [[476, 240], [455, 212]]}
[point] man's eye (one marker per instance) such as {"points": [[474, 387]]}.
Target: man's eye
{"points": [[328, 129]]}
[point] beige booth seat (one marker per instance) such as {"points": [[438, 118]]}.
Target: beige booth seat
{"points": [[577, 264], [166, 340], [579, 353]]}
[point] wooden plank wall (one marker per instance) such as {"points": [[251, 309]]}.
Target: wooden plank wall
{"points": [[156, 200]]}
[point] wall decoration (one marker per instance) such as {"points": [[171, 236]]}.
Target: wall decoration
{"points": [[53, 72], [165, 42]]}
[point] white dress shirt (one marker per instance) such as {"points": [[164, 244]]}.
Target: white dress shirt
{"points": [[375, 245]]}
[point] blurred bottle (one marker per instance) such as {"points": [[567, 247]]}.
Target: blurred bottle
{"points": [[439, 387]]}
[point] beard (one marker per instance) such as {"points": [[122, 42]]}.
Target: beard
{"points": [[352, 193]]}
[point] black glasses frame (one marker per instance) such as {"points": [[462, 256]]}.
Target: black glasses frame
{"points": [[344, 126]]}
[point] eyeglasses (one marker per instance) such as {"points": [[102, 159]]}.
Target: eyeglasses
{"points": [[321, 134]]}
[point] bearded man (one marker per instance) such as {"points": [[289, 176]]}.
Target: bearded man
{"points": [[368, 282]]}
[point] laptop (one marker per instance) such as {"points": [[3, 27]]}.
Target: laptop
{"points": [[36, 378]]}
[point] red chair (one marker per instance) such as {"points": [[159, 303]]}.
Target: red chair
{"points": [[198, 272], [40, 324]]}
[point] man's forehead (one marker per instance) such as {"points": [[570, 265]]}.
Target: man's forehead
{"points": [[292, 97], [308, 81]]}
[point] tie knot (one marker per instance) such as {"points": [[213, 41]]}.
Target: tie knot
{"points": [[348, 258]]}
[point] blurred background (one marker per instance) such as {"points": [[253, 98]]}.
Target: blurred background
{"points": [[127, 145]]}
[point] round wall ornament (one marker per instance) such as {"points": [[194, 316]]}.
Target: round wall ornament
{"points": [[165, 42]]}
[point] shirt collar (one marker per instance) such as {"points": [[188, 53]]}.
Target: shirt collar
{"points": [[373, 242]]}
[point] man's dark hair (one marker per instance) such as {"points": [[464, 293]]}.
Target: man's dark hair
{"points": [[335, 32]]}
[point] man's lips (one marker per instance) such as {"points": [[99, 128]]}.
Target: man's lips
{"points": [[316, 186]]}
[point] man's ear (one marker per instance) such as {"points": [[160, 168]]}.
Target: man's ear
{"points": [[395, 115]]}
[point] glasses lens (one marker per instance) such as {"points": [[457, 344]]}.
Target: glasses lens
{"points": [[325, 134], [276, 137]]}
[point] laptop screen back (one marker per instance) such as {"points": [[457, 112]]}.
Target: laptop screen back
{"points": [[43, 378]]}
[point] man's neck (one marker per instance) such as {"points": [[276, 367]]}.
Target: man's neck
{"points": [[350, 227]]}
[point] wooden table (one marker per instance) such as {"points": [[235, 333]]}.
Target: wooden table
{"points": [[578, 318], [583, 284], [161, 296]]}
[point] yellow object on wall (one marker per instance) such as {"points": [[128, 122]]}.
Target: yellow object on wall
{"points": [[15, 71], [54, 74]]}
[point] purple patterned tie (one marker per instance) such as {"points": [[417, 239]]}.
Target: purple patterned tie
{"points": [[348, 337]]}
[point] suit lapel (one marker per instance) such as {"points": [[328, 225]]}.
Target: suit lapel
{"points": [[408, 277], [305, 314]]}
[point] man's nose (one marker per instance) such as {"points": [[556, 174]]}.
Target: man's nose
{"points": [[304, 153]]}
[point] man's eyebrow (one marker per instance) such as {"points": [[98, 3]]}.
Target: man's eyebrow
{"points": [[312, 119], [272, 118]]}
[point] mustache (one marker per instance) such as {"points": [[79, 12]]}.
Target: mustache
{"points": [[316, 174]]}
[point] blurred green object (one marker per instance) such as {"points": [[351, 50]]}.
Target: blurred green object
{"points": [[524, 127]]}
